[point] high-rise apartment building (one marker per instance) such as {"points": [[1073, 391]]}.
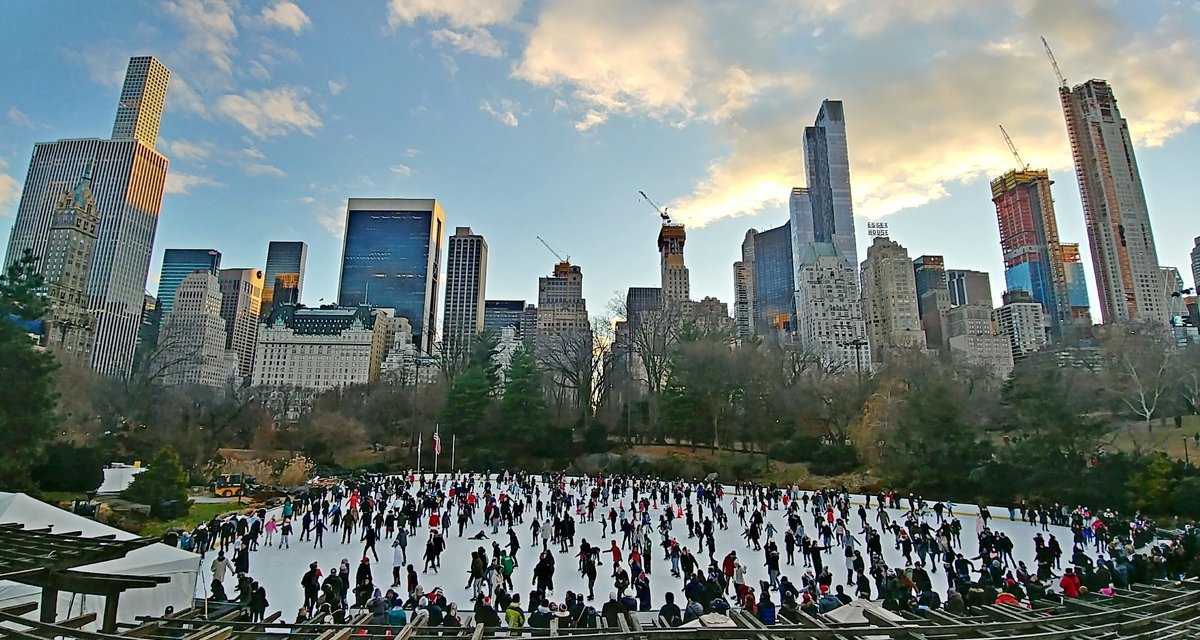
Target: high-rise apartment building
{"points": [[676, 282], [466, 284], [392, 257], [750, 309], [65, 269], [774, 283], [193, 334], [283, 280], [973, 340], [143, 95], [742, 318], [1023, 321], [1033, 259], [498, 314], [128, 178], [933, 299], [241, 305], [1077, 292], [889, 299], [1114, 206], [969, 287], [179, 264], [829, 320], [1196, 265], [824, 212], [564, 332]]}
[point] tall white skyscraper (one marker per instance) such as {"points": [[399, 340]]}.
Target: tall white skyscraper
{"points": [[193, 335], [466, 291], [1114, 206], [829, 316], [128, 178]]}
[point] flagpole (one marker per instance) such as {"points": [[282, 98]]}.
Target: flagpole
{"points": [[453, 442], [419, 454], [437, 440]]}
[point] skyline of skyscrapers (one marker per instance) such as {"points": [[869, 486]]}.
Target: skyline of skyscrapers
{"points": [[466, 291], [392, 258], [1124, 257], [128, 182], [284, 273]]}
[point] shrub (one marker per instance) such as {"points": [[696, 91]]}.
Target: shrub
{"points": [[800, 448], [163, 485], [834, 459], [296, 472]]}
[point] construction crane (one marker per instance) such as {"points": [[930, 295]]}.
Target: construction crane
{"points": [[1021, 164], [551, 249], [661, 210], [1054, 63]]}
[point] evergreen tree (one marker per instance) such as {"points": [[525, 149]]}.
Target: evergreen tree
{"points": [[935, 448], [467, 405], [27, 397], [164, 480], [523, 409]]}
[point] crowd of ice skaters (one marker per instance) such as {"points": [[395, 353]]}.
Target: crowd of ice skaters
{"points": [[835, 547]]}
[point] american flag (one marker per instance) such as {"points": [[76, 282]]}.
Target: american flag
{"points": [[437, 444]]}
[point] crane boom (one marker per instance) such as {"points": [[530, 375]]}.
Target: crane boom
{"points": [[1053, 63], [1021, 164], [551, 249], [661, 210]]}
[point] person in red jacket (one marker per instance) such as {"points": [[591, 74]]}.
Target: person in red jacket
{"points": [[1070, 584]]}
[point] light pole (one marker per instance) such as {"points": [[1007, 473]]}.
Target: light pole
{"points": [[857, 344]]}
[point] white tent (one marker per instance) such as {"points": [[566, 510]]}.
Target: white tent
{"points": [[154, 560], [117, 478], [853, 613]]}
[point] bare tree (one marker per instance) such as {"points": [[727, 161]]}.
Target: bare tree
{"points": [[1137, 363]]}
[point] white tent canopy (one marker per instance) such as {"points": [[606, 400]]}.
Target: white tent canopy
{"points": [[117, 478], [154, 560]]}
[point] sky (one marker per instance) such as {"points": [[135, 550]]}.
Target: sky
{"points": [[546, 117]]}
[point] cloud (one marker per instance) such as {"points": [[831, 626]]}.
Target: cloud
{"points": [[284, 15], [19, 118], [181, 95], [473, 40], [262, 169], [187, 150], [505, 112], [401, 171], [336, 88], [258, 71], [618, 56], [209, 31], [460, 13], [412, 153], [331, 218], [253, 152], [271, 112], [181, 183], [8, 190], [923, 87]]}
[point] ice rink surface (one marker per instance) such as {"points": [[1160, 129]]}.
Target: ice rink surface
{"points": [[280, 570]]}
